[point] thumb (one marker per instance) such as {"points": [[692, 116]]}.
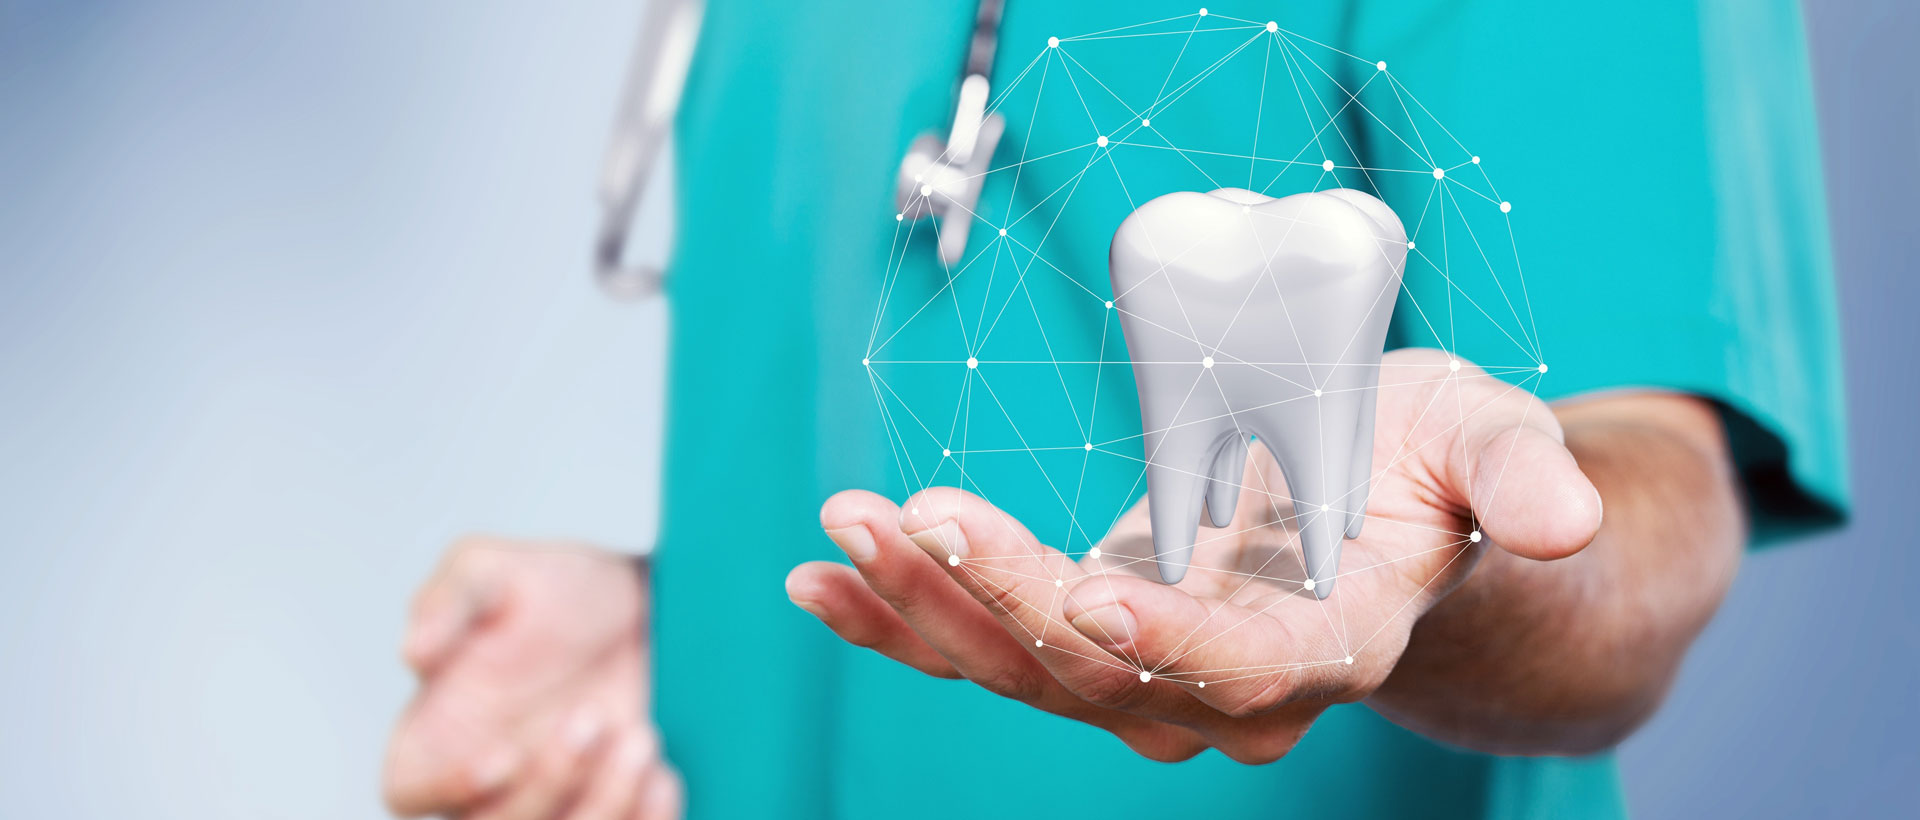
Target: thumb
{"points": [[1527, 492]]}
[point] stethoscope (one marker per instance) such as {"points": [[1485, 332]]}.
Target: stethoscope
{"points": [[938, 179]]}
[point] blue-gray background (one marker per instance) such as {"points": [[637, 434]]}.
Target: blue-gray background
{"points": [[291, 294]]}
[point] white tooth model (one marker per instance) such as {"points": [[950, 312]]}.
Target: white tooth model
{"points": [[1252, 316]]}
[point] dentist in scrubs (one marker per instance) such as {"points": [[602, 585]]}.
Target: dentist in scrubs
{"points": [[798, 647]]}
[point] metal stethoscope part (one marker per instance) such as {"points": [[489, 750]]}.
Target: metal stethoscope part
{"points": [[938, 178]]}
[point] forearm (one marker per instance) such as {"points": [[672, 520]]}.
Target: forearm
{"points": [[1569, 656]]}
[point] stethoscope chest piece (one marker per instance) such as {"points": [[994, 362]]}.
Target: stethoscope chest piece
{"points": [[937, 180], [941, 179]]}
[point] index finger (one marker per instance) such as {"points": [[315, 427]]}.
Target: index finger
{"points": [[1026, 586]]}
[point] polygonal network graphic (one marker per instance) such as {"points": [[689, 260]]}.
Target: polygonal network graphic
{"points": [[1006, 373]]}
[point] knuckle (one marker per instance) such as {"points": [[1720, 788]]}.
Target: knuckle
{"points": [[1110, 689], [1333, 688], [997, 596], [1262, 695], [1018, 682], [939, 502], [912, 601]]}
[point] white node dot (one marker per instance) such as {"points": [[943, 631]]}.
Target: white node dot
{"points": [[1380, 66], [1102, 141], [1038, 642], [1053, 42], [1203, 684], [1203, 12], [1349, 660], [866, 362], [1093, 553], [926, 190], [1316, 392], [1146, 123], [1272, 26], [946, 452], [1245, 209], [1409, 244], [1474, 537], [1454, 365], [972, 363], [1003, 231], [915, 511], [1109, 304], [919, 177], [1439, 173], [1146, 676], [1308, 584], [1326, 166], [1506, 207], [1057, 583], [899, 217], [1543, 367], [1476, 160], [1325, 507], [1206, 362], [1089, 446], [953, 560]]}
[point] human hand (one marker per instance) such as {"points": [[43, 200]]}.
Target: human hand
{"points": [[1235, 657], [533, 690]]}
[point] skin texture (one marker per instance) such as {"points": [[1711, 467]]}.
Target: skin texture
{"points": [[1554, 634], [532, 662]]}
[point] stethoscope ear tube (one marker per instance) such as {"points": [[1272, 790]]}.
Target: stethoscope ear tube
{"points": [[655, 80]]}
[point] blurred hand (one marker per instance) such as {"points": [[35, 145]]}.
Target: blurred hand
{"points": [[1236, 657], [534, 685]]}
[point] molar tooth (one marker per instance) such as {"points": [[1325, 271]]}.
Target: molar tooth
{"points": [[1246, 315]]}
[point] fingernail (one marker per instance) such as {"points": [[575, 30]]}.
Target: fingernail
{"points": [[1107, 625], [635, 753], [584, 728], [942, 541], [855, 541], [811, 607], [494, 769]]}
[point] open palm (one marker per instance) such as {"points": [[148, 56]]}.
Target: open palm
{"points": [[1239, 655]]}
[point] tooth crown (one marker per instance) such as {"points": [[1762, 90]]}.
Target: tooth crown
{"points": [[1237, 308]]}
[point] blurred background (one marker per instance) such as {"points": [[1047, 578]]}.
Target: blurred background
{"points": [[295, 293]]}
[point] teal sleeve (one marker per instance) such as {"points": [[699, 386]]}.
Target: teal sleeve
{"points": [[1662, 161]]}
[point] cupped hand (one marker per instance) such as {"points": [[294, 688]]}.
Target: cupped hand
{"points": [[1239, 656], [533, 690]]}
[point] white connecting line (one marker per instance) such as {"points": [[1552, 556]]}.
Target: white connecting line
{"points": [[934, 359]]}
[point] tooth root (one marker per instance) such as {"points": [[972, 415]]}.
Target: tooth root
{"points": [[1223, 480], [1313, 438], [1176, 485]]}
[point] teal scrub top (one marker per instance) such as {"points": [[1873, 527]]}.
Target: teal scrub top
{"points": [[1664, 167]]}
